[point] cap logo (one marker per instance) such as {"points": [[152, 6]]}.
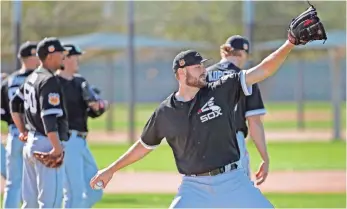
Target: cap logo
{"points": [[182, 62], [245, 46], [197, 54], [51, 48], [33, 51]]}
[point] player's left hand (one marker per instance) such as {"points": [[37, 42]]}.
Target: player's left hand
{"points": [[262, 173], [306, 27], [50, 160]]}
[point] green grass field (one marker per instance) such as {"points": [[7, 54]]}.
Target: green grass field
{"points": [[278, 200], [284, 156], [144, 110]]}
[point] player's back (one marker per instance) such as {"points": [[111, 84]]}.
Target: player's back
{"points": [[8, 90], [31, 93], [216, 71], [16, 80]]}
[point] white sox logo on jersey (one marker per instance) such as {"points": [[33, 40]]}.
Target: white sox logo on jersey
{"points": [[211, 111]]}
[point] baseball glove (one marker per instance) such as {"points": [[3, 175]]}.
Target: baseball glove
{"points": [[89, 95], [49, 160], [96, 90], [306, 27]]}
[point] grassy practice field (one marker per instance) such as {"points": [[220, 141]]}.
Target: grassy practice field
{"points": [[284, 156], [278, 200], [143, 112], [280, 109]]}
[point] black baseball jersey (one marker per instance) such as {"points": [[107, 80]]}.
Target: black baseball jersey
{"points": [[77, 109], [42, 96], [8, 89], [200, 132], [247, 106]]}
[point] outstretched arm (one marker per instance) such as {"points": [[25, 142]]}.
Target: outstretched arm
{"points": [[269, 65]]}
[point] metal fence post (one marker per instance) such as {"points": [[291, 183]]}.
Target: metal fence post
{"points": [[335, 92], [17, 20], [131, 71]]}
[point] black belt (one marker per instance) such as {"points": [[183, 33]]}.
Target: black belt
{"points": [[36, 133], [82, 135], [217, 171]]}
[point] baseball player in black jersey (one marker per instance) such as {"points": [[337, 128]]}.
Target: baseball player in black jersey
{"points": [[14, 147], [81, 102], [4, 117], [234, 55], [198, 125], [44, 129]]}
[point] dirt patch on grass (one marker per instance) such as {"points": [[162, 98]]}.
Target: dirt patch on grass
{"points": [[279, 182]]}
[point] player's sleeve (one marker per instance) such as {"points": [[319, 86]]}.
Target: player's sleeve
{"points": [[17, 101], [5, 114], [51, 98], [150, 137], [254, 103]]}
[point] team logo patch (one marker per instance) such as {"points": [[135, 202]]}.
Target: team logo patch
{"points": [[245, 46], [51, 48], [182, 62], [33, 51], [53, 99]]}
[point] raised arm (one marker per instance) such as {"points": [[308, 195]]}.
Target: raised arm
{"points": [[269, 65]]}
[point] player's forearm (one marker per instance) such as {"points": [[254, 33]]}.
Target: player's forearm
{"points": [[18, 121], [134, 154], [257, 133], [269, 65], [51, 130], [54, 139]]}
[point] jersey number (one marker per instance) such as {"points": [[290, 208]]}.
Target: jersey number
{"points": [[29, 98]]}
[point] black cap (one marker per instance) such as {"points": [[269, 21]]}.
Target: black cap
{"points": [[238, 42], [27, 49], [187, 58], [48, 46], [72, 50]]}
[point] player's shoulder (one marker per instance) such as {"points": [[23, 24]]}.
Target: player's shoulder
{"points": [[42, 79], [166, 104], [79, 78], [15, 79]]}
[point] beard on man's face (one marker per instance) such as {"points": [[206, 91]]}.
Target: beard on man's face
{"points": [[199, 82]]}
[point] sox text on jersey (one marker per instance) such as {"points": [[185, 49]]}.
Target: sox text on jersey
{"points": [[211, 111]]}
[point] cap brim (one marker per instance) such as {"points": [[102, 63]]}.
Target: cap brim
{"points": [[204, 60]]}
